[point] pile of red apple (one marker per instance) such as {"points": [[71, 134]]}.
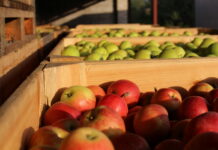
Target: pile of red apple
{"points": [[119, 117]]}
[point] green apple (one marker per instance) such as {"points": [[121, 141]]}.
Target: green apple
{"points": [[206, 43], [211, 55], [79, 36], [89, 45], [118, 35], [85, 52], [168, 53], [191, 54], [81, 43], [152, 43], [94, 57], [213, 49], [104, 36], [179, 51], [130, 52], [94, 36], [125, 45], [164, 34], [187, 33], [115, 57], [174, 34], [102, 42], [155, 51], [154, 33], [191, 46], [165, 44], [70, 51], [111, 48], [122, 53], [197, 41], [143, 54], [134, 34], [100, 50], [144, 33]]}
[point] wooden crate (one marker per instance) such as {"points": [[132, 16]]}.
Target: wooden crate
{"points": [[16, 65], [17, 23], [112, 26], [22, 111], [194, 31], [55, 54]]}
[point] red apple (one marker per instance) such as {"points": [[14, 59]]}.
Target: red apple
{"points": [[79, 97], [115, 102], [42, 148], [130, 117], [104, 119], [213, 95], [98, 91], [170, 144], [192, 106], [177, 131], [152, 122], [204, 141], [167, 97], [207, 122], [48, 136], [215, 105], [130, 141], [68, 124], [87, 139], [60, 111], [201, 89], [126, 89], [145, 98]]}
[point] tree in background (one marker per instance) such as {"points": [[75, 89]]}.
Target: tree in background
{"points": [[170, 12]]}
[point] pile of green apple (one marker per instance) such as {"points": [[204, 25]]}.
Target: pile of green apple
{"points": [[105, 50], [120, 117], [122, 33]]}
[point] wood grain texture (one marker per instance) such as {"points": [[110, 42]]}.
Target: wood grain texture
{"points": [[20, 114]]}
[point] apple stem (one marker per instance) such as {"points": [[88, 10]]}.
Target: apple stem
{"points": [[155, 89], [125, 94], [69, 94], [91, 137]]}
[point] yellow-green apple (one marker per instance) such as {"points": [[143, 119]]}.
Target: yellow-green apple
{"points": [[60, 111], [130, 141], [125, 45], [98, 91], [170, 144], [115, 102], [152, 123], [145, 98], [213, 95], [207, 122], [130, 117], [167, 97], [41, 147], [79, 97], [192, 106], [177, 130], [126, 89], [204, 141], [68, 124], [48, 136], [201, 89], [86, 138], [70, 51], [104, 119]]}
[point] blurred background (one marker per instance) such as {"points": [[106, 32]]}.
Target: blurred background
{"points": [[182, 13]]}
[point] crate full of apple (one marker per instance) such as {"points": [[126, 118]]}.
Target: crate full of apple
{"points": [[127, 50], [118, 33], [118, 116]]}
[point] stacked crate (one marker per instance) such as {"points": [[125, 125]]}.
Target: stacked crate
{"points": [[17, 23]]}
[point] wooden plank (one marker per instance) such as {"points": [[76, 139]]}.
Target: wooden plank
{"points": [[147, 74], [10, 12], [2, 36], [21, 112]]}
